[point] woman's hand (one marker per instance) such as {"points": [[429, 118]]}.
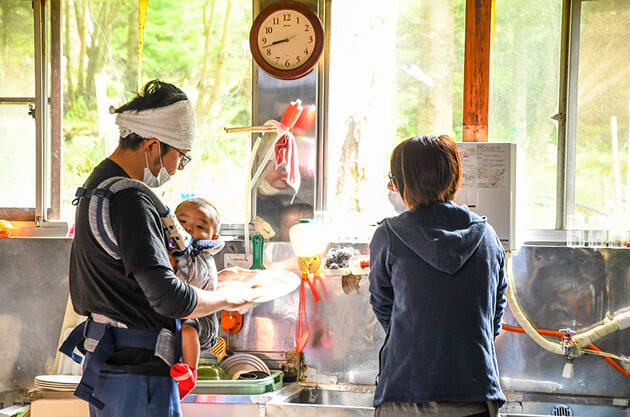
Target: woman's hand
{"points": [[236, 273]]}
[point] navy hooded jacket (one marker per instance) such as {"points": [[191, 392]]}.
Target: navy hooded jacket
{"points": [[437, 286]]}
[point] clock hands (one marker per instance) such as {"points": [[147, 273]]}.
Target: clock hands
{"points": [[277, 42]]}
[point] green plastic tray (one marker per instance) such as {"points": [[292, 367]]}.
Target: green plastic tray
{"points": [[237, 387]]}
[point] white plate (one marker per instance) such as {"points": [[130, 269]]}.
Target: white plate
{"points": [[57, 388], [268, 284], [244, 359], [57, 382], [59, 379]]}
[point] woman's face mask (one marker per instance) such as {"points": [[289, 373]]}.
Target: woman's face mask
{"points": [[396, 201], [150, 179]]}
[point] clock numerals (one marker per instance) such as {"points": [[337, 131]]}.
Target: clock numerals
{"points": [[286, 40]]}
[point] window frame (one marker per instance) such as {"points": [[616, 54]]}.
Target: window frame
{"points": [[566, 118], [39, 221], [48, 168]]}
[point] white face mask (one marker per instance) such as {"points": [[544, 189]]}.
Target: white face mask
{"points": [[396, 201], [150, 179], [266, 189]]}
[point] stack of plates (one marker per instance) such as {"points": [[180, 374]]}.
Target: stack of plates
{"points": [[240, 363], [57, 382]]}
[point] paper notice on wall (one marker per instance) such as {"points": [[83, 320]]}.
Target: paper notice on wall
{"points": [[488, 185], [237, 259], [485, 166]]}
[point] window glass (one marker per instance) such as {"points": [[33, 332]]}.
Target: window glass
{"points": [[200, 46], [524, 96], [602, 135], [396, 71], [16, 49], [17, 156], [17, 128]]}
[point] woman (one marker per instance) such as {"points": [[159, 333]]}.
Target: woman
{"points": [[437, 286]]}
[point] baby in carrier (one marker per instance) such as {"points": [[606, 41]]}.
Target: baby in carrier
{"points": [[197, 267]]}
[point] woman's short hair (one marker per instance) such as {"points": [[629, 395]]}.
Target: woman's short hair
{"points": [[426, 169]]}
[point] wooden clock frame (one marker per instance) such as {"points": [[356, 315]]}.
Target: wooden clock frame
{"points": [[308, 65]]}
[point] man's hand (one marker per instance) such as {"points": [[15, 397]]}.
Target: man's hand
{"points": [[238, 297]]}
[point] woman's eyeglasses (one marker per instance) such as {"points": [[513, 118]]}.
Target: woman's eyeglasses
{"points": [[391, 177], [185, 158]]}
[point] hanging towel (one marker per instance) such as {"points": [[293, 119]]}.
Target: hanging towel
{"points": [[286, 153]]}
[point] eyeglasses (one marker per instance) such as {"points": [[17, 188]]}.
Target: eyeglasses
{"points": [[390, 176], [186, 159]]}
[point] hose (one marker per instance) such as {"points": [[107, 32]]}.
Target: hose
{"points": [[592, 349], [522, 319], [607, 326]]}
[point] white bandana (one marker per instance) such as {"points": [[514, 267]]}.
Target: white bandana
{"points": [[174, 125]]}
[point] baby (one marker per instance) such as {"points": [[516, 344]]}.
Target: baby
{"points": [[197, 267]]}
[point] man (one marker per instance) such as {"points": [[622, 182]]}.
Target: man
{"points": [[132, 299]]}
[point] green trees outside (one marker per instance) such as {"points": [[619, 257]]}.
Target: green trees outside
{"points": [[199, 45]]}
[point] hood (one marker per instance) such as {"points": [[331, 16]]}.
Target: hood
{"points": [[444, 235]]}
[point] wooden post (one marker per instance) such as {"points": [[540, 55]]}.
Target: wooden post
{"points": [[477, 70], [56, 108]]}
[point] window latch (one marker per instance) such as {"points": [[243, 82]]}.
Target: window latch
{"points": [[31, 110], [559, 117]]}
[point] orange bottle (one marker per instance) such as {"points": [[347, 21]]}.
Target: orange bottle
{"points": [[292, 114]]}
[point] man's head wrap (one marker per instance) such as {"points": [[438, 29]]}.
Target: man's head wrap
{"points": [[174, 124]]}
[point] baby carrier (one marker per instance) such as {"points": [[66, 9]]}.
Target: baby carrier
{"points": [[99, 334]]}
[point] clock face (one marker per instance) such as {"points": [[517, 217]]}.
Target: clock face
{"points": [[286, 39]]}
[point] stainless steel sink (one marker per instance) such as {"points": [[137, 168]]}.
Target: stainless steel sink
{"points": [[331, 398]]}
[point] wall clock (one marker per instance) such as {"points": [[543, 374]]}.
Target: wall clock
{"points": [[287, 39]]}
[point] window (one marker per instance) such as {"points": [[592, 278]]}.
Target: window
{"points": [[396, 70], [200, 46], [524, 92], [592, 133], [17, 127], [602, 134]]}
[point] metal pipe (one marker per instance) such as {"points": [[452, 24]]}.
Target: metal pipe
{"points": [[323, 82], [572, 99], [561, 116]]}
